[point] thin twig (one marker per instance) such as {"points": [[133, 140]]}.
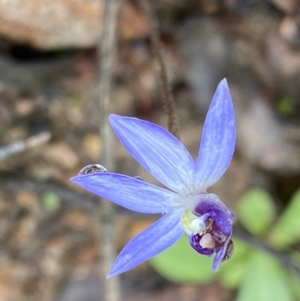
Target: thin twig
{"points": [[107, 53], [20, 146], [168, 100], [257, 243]]}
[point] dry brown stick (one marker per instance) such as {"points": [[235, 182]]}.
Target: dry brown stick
{"points": [[168, 100], [107, 53], [23, 145]]}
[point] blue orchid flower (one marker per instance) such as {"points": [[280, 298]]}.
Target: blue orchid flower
{"points": [[185, 204]]}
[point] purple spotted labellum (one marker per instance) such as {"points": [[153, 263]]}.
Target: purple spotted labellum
{"points": [[185, 204]]}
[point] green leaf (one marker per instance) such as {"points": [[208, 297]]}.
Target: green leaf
{"points": [[182, 264], [265, 280], [284, 106], [287, 230], [294, 276], [295, 258], [256, 210], [295, 284], [232, 271], [51, 201]]}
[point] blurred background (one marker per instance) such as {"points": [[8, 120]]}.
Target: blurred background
{"points": [[49, 130]]}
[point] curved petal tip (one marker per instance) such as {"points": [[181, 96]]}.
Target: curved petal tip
{"points": [[218, 138]]}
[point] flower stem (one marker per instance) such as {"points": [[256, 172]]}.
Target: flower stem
{"points": [[106, 54], [168, 100]]}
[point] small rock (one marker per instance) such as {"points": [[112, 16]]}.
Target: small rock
{"points": [[54, 24]]}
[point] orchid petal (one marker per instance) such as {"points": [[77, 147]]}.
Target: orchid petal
{"points": [[218, 139], [210, 205], [158, 151], [128, 192], [220, 253], [152, 241]]}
